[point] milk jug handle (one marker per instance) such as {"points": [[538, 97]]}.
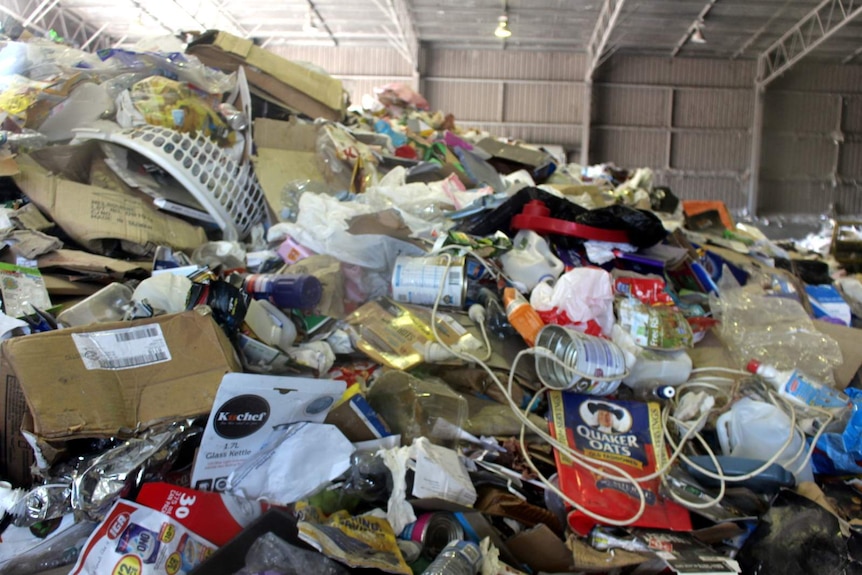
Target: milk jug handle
{"points": [[721, 429]]}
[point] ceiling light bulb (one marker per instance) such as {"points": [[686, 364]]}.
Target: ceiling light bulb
{"points": [[697, 36], [502, 30]]}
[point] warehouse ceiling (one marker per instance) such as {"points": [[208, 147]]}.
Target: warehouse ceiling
{"points": [[729, 29]]}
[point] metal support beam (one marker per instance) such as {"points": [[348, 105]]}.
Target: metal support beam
{"points": [[94, 36], [812, 30], [605, 23], [608, 16], [49, 14], [405, 38], [756, 142], [850, 58], [586, 117], [323, 23], [697, 22], [760, 31]]}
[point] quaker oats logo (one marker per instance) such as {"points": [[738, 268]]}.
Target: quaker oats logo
{"points": [[606, 417], [241, 416]]}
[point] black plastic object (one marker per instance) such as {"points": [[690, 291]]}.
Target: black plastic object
{"points": [[536, 216], [797, 536], [769, 481], [662, 199], [229, 305], [809, 271], [230, 558], [487, 223], [644, 228]]}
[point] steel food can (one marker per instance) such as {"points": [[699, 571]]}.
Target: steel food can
{"points": [[582, 358], [433, 531], [417, 280]]}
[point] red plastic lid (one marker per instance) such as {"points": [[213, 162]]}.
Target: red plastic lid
{"points": [[753, 366], [535, 217]]}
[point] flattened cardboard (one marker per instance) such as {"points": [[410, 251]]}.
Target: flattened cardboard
{"points": [[90, 214], [851, 349], [285, 153], [92, 265], [271, 76], [541, 549], [16, 457], [69, 401]]}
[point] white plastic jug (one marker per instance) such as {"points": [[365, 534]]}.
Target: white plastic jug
{"points": [[757, 430], [530, 261]]}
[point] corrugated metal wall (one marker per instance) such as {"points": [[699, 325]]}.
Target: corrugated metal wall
{"points": [[688, 120], [812, 141]]}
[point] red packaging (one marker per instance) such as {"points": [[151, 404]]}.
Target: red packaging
{"points": [[627, 434], [217, 517], [649, 290]]}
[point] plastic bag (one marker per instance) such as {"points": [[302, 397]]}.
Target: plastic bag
{"points": [[644, 228], [170, 104], [412, 406], [584, 294], [775, 330]]}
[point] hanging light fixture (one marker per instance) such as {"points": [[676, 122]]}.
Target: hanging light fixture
{"points": [[502, 30], [697, 34]]}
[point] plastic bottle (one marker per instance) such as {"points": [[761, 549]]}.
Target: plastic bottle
{"points": [[457, 558], [531, 260], [522, 316], [286, 291], [108, 304], [798, 388], [495, 316]]}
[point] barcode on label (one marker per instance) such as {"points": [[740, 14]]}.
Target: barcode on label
{"points": [[134, 360], [137, 333]]}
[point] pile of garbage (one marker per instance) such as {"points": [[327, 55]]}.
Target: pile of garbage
{"points": [[249, 328]]}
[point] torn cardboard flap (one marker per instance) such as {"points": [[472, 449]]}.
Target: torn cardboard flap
{"points": [[170, 370], [272, 77], [90, 214], [91, 264]]}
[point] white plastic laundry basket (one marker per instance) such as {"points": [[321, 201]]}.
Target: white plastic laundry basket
{"points": [[228, 190]]}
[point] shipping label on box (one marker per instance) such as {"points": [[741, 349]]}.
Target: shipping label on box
{"points": [[248, 408]]}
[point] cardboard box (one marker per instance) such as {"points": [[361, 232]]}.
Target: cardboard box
{"points": [[104, 380], [271, 77], [91, 215], [16, 456], [286, 152]]}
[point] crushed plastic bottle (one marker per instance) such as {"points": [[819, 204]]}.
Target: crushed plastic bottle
{"points": [[457, 558]]}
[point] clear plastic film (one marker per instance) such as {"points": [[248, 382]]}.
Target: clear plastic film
{"points": [[775, 330]]}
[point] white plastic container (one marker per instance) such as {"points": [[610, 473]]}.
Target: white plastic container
{"points": [[530, 261], [757, 430], [647, 367], [107, 304]]}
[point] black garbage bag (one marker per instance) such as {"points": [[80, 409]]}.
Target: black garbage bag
{"points": [[644, 228], [500, 218], [797, 536]]}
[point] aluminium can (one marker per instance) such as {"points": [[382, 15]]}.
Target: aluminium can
{"points": [[417, 280], [434, 531]]}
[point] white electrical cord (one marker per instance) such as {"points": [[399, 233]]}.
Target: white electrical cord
{"points": [[609, 470]]}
